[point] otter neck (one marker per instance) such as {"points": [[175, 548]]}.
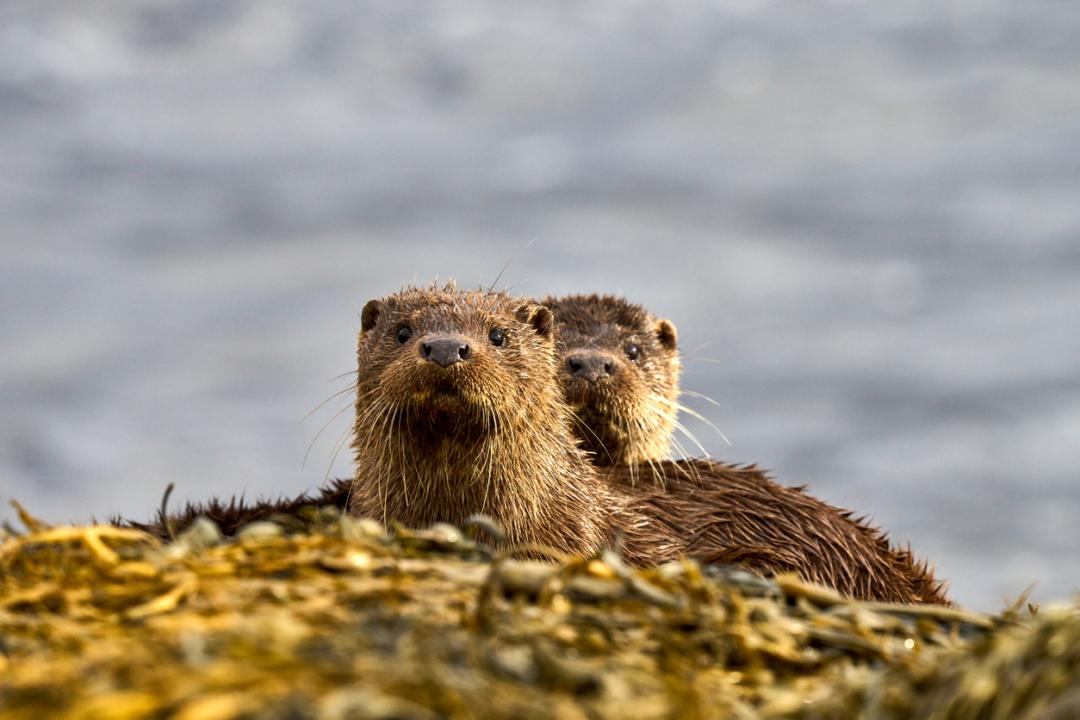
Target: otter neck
{"points": [[528, 475], [635, 435]]}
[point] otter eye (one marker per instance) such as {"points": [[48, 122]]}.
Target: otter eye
{"points": [[403, 334], [497, 337], [632, 351]]}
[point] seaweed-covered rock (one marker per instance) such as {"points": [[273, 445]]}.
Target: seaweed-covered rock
{"points": [[339, 619]]}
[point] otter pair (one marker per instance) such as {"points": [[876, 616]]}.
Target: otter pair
{"points": [[462, 408]]}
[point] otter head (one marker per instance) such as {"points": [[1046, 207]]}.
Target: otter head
{"points": [[620, 375], [454, 362], [459, 411]]}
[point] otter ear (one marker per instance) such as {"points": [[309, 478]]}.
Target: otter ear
{"points": [[665, 333], [539, 317], [370, 315]]}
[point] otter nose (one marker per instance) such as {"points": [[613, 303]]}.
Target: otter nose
{"points": [[590, 366], [445, 350]]}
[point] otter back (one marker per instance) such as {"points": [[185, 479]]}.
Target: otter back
{"points": [[738, 516]]}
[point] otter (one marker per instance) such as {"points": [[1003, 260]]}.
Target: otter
{"points": [[620, 371], [459, 412]]}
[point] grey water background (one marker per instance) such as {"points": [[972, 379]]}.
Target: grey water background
{"points": [[863, 219]]}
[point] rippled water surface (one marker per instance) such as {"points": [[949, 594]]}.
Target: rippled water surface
{"points": [[864, 222]]}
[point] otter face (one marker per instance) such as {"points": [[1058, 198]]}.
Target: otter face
{"points": [[620, 374], [436, 363]]}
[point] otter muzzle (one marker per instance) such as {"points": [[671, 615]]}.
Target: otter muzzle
{"points": [[446, 350], [590, 366]]}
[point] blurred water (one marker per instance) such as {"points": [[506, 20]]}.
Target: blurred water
{"points": [[863, 220]]}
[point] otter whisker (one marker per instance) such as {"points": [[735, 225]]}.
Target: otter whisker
{"points": [[337, 449], [320, 432], [513, 255], [403, 450], [698, 416], [375, 416], [362, 417], [681, 466], [321, 405], [658, 473], [702, 396], [488, 464], [385, 427], [692, 413], [701, 359], [691, 437], [639, 424], [632, 470]]}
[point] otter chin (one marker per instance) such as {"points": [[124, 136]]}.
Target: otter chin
{"points": [[441, 402]]}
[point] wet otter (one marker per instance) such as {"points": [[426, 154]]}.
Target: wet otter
{"points": [[459, 411], [620, 372]]}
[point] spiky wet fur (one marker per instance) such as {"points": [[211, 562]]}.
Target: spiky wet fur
{"points": [[236, 512], [738, 516], [489, 435], [628, 418]]}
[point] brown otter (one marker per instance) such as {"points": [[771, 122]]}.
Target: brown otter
{"points": [[620, 372], [459, 411]]}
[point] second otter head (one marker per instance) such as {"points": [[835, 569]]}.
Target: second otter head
{"points": [[620, 374]]}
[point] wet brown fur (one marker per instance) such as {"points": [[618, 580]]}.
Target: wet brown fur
{"points": [[738, 516]]}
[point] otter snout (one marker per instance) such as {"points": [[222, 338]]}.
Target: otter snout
{"points": [[591, 366], [445, 350]]}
